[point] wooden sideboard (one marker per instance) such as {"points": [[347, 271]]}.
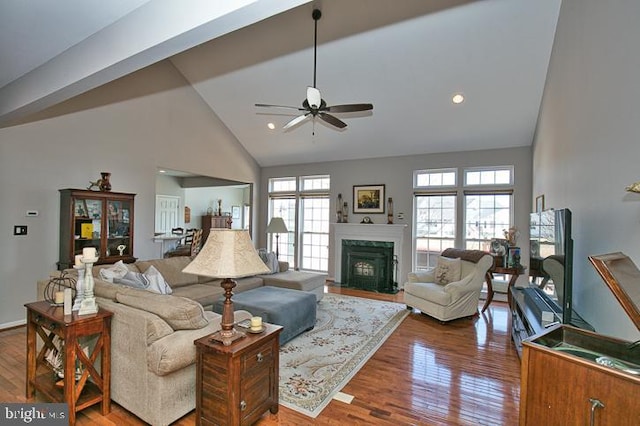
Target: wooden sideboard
{"points": [[210, 221]]}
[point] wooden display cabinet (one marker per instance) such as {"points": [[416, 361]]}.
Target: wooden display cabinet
{"points": [[99, 219], [236, 384]]}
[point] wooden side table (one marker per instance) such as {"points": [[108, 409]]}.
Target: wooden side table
{"points": [[49, 321], [236, 384], [513, 272]]}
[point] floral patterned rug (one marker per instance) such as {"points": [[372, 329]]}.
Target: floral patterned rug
{"points": [[317, 364]]}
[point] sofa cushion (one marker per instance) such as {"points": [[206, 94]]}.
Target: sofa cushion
{"points": [[150, 280], [447, 270], [179, 312], [171, 269], [177, 350]]}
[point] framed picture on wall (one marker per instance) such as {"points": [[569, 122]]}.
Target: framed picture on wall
{"points": [[368, 199]]}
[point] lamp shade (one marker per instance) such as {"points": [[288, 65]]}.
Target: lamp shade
{"points": [[227, 253], [277, 226]]}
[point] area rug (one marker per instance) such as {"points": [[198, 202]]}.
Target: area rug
{"points": [[317, 364]]}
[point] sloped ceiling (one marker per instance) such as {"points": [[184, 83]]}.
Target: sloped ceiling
{"points": [[407, 57]]}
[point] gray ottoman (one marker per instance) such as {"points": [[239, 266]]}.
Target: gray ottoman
{"points": [[294, 310]]}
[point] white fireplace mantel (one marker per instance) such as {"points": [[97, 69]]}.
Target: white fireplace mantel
{"points": [[366, 232]]}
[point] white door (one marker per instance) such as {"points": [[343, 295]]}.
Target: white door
{"points": [[167, 213]]}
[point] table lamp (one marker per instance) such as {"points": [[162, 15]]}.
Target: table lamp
{"points": [[277, 226], [227, 254]]}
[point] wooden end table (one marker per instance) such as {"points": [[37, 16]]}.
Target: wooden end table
{"points": [[236, 384], [48, 321], [513, 272]]}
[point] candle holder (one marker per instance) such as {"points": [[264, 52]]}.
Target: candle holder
{"points": [[79, 288], [57, 284], [88, 304]]}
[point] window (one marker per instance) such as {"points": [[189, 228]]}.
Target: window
{"points": [[486, 216], [434, 178], [306, 214], [470, 215], [435, 227]]}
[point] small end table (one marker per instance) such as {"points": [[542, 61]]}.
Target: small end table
{"points": [[48, 321], [513, 272], [236, 384]]}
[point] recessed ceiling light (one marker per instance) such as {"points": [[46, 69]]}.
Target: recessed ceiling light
{"points": [[458, 98], [271, 126], [162, 171]]}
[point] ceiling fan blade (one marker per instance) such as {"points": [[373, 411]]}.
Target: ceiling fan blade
{"points": [[332, 120], [297, 120], [349, 108], [279, 106], [313, 97]]}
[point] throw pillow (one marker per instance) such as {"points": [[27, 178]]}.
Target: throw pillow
{"points": [[150, 280], [447, 270], [117, 271], [270, 260], [272, 263]]}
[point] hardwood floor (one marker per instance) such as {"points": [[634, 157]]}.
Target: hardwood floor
{"points": [[465, 372]]}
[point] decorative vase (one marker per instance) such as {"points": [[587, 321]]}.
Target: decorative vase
{"points": [[219, 207], [105, 185], [339, 209], [390, 211]]}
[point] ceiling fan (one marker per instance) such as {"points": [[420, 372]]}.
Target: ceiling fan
{"points": [[314, 106]]}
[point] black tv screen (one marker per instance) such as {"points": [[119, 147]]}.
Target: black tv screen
{"points": [[552, 260]]}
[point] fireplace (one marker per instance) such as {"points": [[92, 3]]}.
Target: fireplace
{"points": [[369, 265], [393, 233]]}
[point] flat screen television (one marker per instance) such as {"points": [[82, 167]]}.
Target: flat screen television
{"points": [[551, 263]]}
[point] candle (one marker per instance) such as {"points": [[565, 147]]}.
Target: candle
{"points": [[89, 253], [59, 298], [78, 260], [256, 323]]}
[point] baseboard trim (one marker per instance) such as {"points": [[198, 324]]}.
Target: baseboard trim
{"points": [[13, 324]]}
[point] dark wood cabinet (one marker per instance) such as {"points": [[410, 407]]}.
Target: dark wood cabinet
{"points": [[211, 221], [103, 220], [236, 384]]}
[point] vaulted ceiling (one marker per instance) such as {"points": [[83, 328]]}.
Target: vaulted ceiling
{"points": [[406, 57]]}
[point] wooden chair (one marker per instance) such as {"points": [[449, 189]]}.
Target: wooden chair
{"points": [[191, 245]]}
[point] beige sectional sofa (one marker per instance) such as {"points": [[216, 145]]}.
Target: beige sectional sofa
{"points": [[152, 351]]}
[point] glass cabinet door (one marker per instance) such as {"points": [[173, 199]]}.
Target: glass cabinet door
{"points": [[87, 220], [118, 228]]}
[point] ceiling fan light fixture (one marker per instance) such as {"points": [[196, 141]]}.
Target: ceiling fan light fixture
{"points": [[313, 105]]}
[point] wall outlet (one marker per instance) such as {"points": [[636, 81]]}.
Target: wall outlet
{"points": [[20, 230]]}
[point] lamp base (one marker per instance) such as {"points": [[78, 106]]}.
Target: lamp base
{"points": [[227, 337]]}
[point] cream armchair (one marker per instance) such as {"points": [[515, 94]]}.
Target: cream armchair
{"points": [[455, 299]]}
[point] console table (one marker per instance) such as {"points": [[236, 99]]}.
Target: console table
{"points": [[48, 321], [236, 384]]}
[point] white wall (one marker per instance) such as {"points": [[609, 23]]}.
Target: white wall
{"points": [[130, 127], [586, 148], [396, 173]]}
